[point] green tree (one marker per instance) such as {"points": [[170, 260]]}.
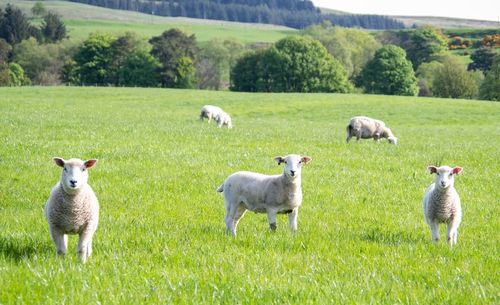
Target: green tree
{"points": [[246, 72], [452, 80], [38, 9], [352, 47], [17, 77], [425, 74], [389, 72], [424, 44], [14, 26], [94, 59], [169, 48], [139, 69], [490, 87], [185, 74], [482, 59], [53, 28]]}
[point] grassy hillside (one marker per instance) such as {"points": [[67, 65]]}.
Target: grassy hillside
{"points": [[83, 19], [361, 238], [447, 22]]}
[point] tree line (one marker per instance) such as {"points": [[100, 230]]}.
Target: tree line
{"points": [[292, 13]]}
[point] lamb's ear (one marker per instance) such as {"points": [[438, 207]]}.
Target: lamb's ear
{"points": [[457, 170], [432, 169], [59, 161], [306, 159], [90, 163], [279, 160]]}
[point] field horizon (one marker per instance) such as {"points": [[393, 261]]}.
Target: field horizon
{"points": [[161, 236]]}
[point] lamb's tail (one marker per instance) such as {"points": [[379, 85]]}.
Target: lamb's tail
{"points": [[220, 189]]}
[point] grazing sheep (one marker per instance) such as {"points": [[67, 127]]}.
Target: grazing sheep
{"points": [[277, 194], [442, 203], [366, 128], [209, 112], [72, 207], [222, 118]]}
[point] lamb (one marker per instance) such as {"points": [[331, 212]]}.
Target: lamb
{"points": [[222, 118], [442, 204], [72, 207], [277, 194], [366, 128], [209, 112]]}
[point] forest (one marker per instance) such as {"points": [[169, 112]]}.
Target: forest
{"points": [[292, 13]]}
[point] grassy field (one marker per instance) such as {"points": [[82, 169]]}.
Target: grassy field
{"points": [[81, 20], [161, 239]]}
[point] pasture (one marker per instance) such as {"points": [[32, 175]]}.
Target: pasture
{"points": [[161, 237]]}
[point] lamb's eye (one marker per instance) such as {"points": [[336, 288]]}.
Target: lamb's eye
{"points": [[84, 169], [300, 162], [65, 169], [451, 174]]}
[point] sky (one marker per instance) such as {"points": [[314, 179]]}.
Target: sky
{"points": [[476, 9]]}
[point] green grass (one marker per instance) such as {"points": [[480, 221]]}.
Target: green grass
{"points": [[161, 238]]}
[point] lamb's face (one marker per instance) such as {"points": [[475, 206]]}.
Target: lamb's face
{"points": [[74, 174], [445, 175], [393, 140], [293, 164]]}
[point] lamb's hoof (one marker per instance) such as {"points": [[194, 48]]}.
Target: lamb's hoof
{"points": [[272, 226]]}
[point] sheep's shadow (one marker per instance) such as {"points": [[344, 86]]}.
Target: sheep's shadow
{"points": [[389, 238], [18, 249]]}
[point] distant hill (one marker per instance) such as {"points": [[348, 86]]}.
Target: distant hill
{"points": [[291, 13], [447, 22]]}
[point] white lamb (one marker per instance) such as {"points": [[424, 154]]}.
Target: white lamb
{"points": [[442, 203], [278, 194], [209, 112], [72, 207], [366, 128], [222, 118]]}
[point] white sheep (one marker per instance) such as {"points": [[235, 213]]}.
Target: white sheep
{"points": [[366, 128], [72, 207], [442, 204], [277, 194], [209, 112], [222, 118]]}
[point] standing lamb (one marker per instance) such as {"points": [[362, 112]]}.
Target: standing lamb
{"points": [[442, 203], [72, 207], [222, 118], [209, 112], [366, 128], [277, 194]]}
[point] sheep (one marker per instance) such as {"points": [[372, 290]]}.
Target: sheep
{"points": [[277, 194], [72, 207], [222, 118], [442, 204], [209, 112], [366, 128]]}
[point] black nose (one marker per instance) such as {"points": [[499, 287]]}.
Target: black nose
{"points": [[292, 172], [73, 182]]}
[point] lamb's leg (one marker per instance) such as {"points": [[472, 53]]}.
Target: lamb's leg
{"points": [[60, 240], [292, 218], [452, 233], [83, 245], [435, 230], [230, 212], [271, 216], [240, 211]]}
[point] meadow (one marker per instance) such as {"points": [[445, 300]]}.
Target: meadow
{"points": [[161, 238]]}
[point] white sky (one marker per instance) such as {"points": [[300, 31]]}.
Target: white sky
{"points": [[475, 9]]}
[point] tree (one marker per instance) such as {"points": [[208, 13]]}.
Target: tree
{"points": [[293, 64], [490, 87], [424, 44], [139, 69], [482, 59], [452, 80], [53, 28], [169, 48], [38, 9], [14, 26], [389, 72], [94, 59], [17, 77], [352, 47], [425, 74]]}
